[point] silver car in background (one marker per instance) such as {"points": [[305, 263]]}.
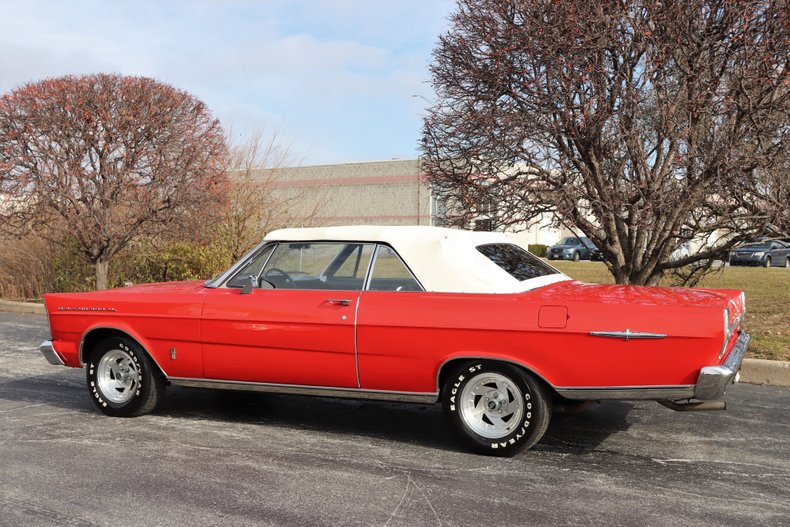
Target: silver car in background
{"points": [[768, 253]]}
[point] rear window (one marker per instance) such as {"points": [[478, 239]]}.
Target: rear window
{"points": [[519, 263]]}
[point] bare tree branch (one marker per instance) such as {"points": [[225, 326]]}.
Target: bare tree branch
{"points": [[108, 158], [645, 125]]}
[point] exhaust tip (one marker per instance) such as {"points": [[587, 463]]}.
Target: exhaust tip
{"points": [[694, 406]]}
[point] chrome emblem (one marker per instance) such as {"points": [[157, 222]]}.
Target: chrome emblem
{"points": [[627, 334]]}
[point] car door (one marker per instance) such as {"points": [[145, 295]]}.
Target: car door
{"points": [[295, 325], [405, 333], [780, 254], [586, 249]]}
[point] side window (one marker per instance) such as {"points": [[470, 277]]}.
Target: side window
{"points": [[253, 268], [354, 263], [390, 273], [317, 265]]}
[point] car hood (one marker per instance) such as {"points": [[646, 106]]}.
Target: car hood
{"points": [[157, 288], [565, 247], [158, 297], [573, 291], [162, 287]]}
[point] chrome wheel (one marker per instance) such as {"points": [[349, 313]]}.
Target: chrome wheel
{"points": [[492, 405], [118, 376]]}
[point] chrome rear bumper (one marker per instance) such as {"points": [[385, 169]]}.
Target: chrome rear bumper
{"points": [[49, 353], [713, 380]]}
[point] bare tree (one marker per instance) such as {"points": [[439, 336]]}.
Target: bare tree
{"points": [[645, 125], [107, 158], [258, 200]]}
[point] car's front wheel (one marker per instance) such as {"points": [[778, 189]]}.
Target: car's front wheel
{"points": [[576, 256], [495, 408], [122, 380], [768, 261]]}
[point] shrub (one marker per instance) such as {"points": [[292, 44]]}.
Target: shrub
{"points": [[26, 267], [32, 266], [155, 261], [538, 249]]}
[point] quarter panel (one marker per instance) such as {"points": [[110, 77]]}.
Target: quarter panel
{"points": [[404, 338]]}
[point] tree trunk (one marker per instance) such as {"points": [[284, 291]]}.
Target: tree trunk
{"points": [[102, 269], [635, 277]]}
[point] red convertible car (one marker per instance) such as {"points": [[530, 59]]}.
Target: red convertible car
{"points": [[418, 314]]}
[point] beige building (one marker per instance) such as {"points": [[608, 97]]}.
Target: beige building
{"points": [[374, 193]]}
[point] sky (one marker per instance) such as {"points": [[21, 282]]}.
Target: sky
{"points": [[339, 81]]}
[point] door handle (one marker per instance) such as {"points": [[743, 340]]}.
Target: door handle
{"points": [[339, 301]]}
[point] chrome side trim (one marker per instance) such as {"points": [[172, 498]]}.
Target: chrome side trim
{"points": [[371, 264], [627, 334], [365, 283], [635, 393], [298, 389], [595, 393], [48, 351], [356, 341]]}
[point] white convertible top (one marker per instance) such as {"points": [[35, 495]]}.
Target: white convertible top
{"points": [[443, 260]]}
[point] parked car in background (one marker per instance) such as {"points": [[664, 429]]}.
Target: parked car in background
{"points": [[768, 253], [574, 248], [681, 252], [409, 314]]}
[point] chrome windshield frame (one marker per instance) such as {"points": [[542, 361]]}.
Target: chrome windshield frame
{"points": [[224, 277]]}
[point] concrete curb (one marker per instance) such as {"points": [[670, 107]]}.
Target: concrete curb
{"points": [[28, 308], [753, 371], [761, 371]]}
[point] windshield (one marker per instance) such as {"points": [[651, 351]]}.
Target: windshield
{"points": [[519, 263], [571, 240], [755, 246]]}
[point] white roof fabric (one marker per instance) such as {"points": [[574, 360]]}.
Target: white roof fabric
{"points": [[443, 260]]}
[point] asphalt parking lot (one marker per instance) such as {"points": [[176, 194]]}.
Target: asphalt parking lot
{"points": [[219, 458]]}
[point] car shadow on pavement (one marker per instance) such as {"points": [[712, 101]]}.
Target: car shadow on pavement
{"points": [[584, 432], [408, 423], [51, 389]]}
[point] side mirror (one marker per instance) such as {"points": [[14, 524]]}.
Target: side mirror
{"points": [[247, 285]]}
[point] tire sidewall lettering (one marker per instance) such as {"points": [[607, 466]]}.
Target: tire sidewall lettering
{"points": [[521, 431], [96, 392]]}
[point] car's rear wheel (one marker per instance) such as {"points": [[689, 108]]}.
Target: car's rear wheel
{"points": [[496, 409], [122, 380], [787, 263]]}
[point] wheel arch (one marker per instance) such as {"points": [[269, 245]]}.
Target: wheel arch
{"points": [[98, 333], [447, 366]]}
